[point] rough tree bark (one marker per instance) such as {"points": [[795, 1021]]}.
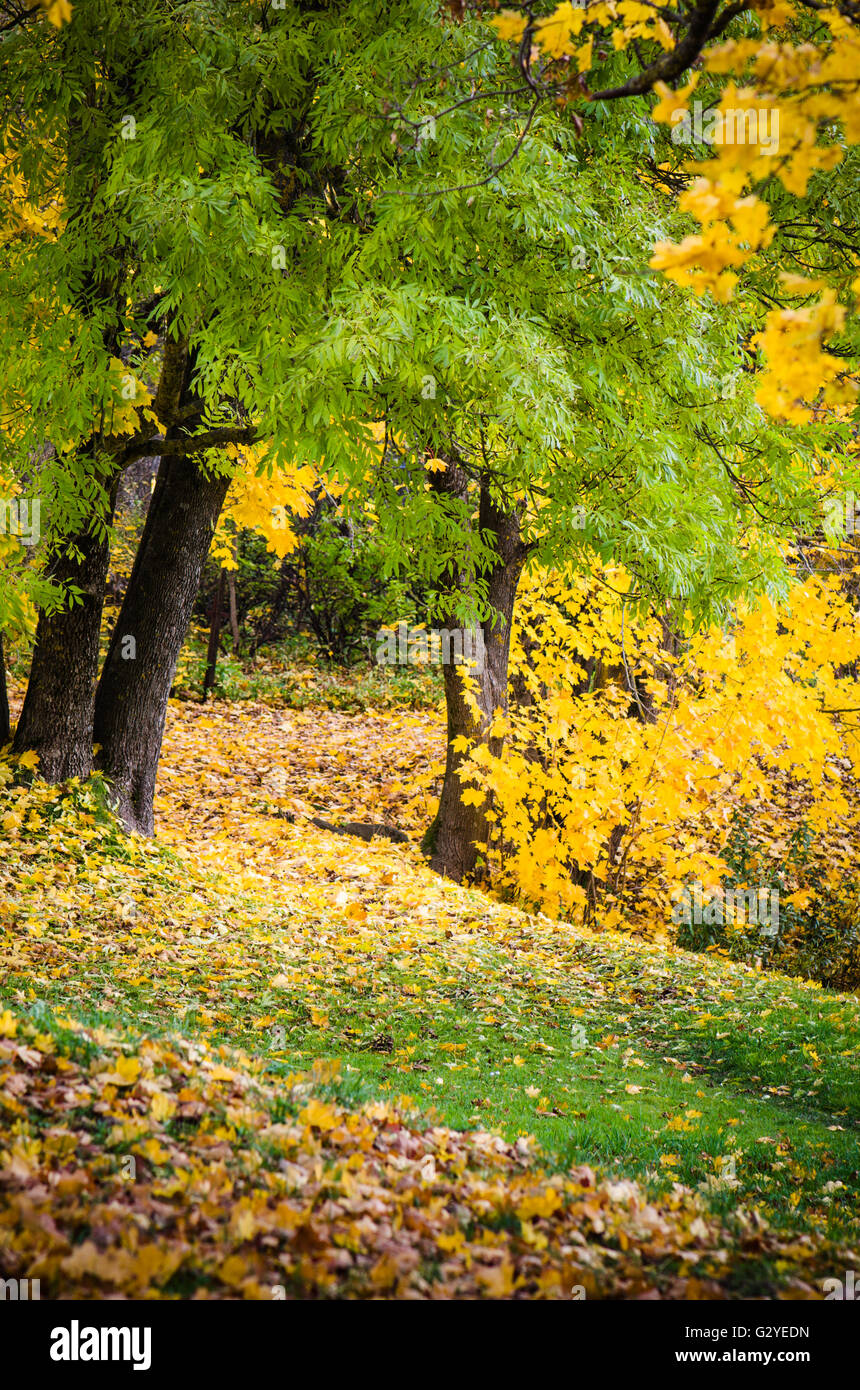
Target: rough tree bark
{"points": [[234, 610], [457, 829], [131, 700], [214, 637], [5, 726], [57, 717]]}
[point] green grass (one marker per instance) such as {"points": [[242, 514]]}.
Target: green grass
{"points": [[298, 676], [760, 1068], [483, 1016]]}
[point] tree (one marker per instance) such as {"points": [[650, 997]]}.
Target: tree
{"points": [[99, 137], [611, 418], [300, 222], [734, 227]]}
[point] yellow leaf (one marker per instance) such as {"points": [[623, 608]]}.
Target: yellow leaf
{"points": [[59, 12], [125, 1073], [451, 1242], [219, 1073], [154, 1151], [161, 1106], [473, 797], [509, 25], [318, 1116], [233, 1270], [539, 1204]]}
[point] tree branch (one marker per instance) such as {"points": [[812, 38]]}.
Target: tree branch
{"points": [[184, 444], [671, 64]]}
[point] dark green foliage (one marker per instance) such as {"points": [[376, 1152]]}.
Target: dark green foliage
{"points": [[335, 588], [819, 941]]}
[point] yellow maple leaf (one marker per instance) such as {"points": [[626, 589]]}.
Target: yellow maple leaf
{"points": [[509, 25], [451, 1242], [221, 1073], [161, 1106], [473, 796], [539, 1204], [233, 1270], [59, 12], [125, 1072], [154, 1151], [319, 1116], [128, 1070]]}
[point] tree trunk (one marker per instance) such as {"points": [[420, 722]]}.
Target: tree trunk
{"points": [[234, 611], [458, 828], [131, 701], [214, 635], [5, 726], [645, 706], [57, 717]]}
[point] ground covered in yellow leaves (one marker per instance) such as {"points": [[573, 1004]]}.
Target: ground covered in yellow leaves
{"points": [[258, 1059], [218, 1195]]}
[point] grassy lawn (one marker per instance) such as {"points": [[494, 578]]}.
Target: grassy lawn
{"points": [[319, 955]]}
